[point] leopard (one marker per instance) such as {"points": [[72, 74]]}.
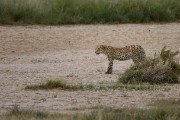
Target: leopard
{"points": [[134, 52]]}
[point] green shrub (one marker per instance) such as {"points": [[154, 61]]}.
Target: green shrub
{"points": [[135, 72], [161, 69], [132, 76]]}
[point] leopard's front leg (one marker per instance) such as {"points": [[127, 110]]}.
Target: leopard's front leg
{"points": [[110, 67]]}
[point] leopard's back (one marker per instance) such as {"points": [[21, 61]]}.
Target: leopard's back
{"points": [[134, 52]]}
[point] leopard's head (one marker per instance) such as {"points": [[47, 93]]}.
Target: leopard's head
{"points": [[100, 49]]}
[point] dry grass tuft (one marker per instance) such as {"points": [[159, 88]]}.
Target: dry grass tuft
{"points": [[161, 69]]}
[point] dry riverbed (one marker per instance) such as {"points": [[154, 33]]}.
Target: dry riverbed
{"points": [[34, 54]]}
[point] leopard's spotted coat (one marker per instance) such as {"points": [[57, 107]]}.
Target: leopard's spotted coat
{"points": [[134, 52]]}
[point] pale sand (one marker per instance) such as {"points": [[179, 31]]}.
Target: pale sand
{"points": [[35, 54]]}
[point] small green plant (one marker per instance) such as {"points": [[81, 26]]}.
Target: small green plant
{"points": [[49, 85], [160, 69], [167, 55], [59, 84]]}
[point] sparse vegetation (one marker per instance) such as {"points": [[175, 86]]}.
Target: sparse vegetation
{"points": [[171, 103], [160, 110], [119, 86], [88, 11], [60, 84], [49, 85], [161, 69]]}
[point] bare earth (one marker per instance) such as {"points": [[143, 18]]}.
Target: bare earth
{"points": [[34, 54]]}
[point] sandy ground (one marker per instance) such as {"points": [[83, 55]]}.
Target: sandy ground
{"points": [[34, 54]]}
